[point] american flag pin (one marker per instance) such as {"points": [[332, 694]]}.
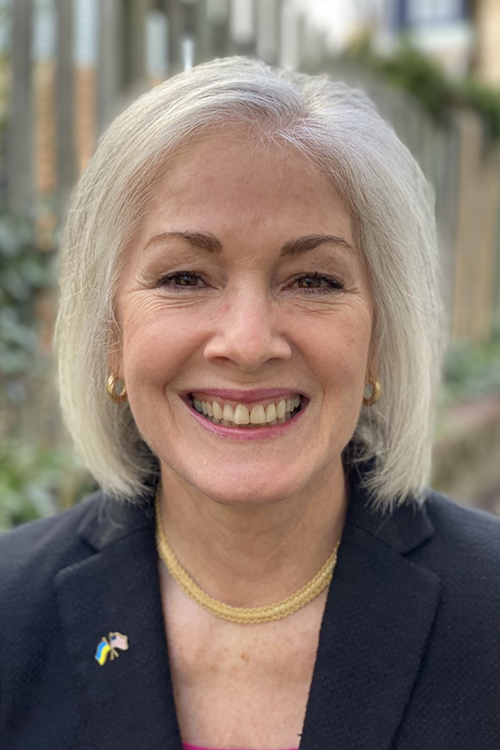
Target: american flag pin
{"points": [[109, 647]]}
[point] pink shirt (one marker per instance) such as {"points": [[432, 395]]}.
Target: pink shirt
{"points": [[195, 747]]}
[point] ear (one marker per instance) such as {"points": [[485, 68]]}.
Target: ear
{"points": [[115, 352], [372, 365]]}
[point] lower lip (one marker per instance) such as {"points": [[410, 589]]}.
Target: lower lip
{"points": [[246, 433]]}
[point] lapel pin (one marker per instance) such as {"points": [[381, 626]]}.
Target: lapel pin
{"points": [[109, 647]]}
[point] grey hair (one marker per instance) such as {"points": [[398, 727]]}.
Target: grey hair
{"points": [[392, 208]]}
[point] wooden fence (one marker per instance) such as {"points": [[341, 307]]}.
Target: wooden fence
{"points": [[59, 92]]}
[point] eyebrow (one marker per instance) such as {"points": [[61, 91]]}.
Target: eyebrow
{"points": [[197, 239], [302, 245], [294, 247]]}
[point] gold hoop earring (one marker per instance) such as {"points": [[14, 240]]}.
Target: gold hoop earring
{"points": [[117, 398], [376, 391]]}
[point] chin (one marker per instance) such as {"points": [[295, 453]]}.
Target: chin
{"points": [[247, 491], [246, 499]]}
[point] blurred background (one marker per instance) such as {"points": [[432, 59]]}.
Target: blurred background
{"points": [[67, 67]]}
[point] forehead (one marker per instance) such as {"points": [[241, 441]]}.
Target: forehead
{"points": [[222, 181]]}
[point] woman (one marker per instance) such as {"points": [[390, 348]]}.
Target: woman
{"points": [[249, 343]]}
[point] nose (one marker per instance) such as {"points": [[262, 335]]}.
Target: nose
{"points": [[247, 331]]}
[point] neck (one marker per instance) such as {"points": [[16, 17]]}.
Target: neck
{"points": [[250, 556]]}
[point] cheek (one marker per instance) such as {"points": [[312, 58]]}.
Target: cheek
{"points": [[156, 343], [338, 350]]}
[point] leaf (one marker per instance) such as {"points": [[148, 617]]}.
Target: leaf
{"points": [[16, 286]]}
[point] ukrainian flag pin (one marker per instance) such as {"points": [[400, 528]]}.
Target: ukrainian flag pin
{"points": [[109, 647]]}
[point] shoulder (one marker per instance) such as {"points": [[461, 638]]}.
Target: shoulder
{"points": [[437, 532], [47, 538], [457, 547], [31, 554], [466, 538], [464, 553]]}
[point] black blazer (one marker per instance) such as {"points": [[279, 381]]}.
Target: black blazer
{"points": [[408, 656]]}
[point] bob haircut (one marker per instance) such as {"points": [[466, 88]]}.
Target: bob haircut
{"points": [[392, 209]]}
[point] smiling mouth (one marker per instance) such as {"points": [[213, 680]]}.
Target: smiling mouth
{"points": [[241, 416]]}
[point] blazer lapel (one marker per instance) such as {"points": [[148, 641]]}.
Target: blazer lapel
{"points": [[377, 620], [116, 589]]}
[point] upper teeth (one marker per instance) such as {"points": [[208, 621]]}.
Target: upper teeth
{"points": [[241, 414]]}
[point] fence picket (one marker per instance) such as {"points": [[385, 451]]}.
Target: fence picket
{"points": [[465, 174], [108, 63], [20, 154], [65, 103]]}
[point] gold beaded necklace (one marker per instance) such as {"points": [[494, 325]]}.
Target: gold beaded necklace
{"points": [[240, 615]]}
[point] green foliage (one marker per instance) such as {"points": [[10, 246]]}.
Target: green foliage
{"points": [[471, 372], [415, 73], [483, 100], [34, 481], [37, 482], [25, 272], [410, 69]]}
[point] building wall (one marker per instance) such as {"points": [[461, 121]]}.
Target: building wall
{"points": [[440, 28], [487, 55]]}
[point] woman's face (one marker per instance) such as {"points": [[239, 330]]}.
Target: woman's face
{"points": [[245, 287]]}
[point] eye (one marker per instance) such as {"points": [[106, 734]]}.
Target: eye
{"points": [[180, 279], [317, 282]]}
